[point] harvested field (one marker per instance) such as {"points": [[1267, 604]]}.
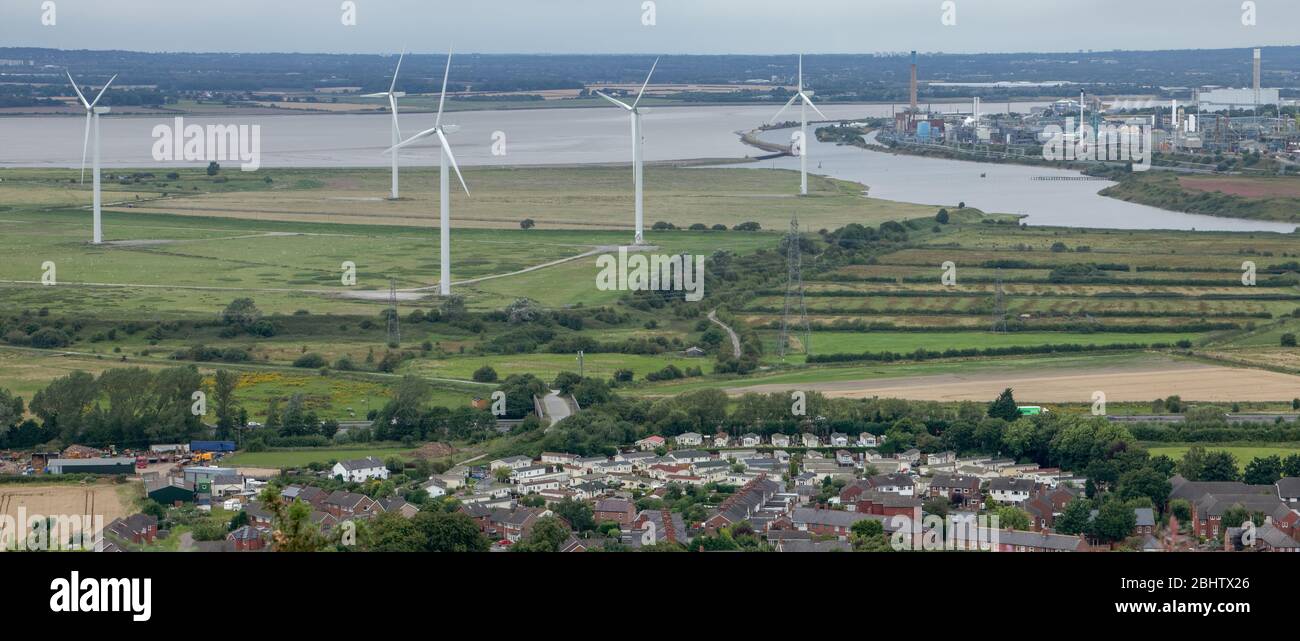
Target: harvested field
{"points": [[1244, 187], [65, 499]]}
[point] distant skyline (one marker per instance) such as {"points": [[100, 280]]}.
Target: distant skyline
{"points": [[615, 26]]}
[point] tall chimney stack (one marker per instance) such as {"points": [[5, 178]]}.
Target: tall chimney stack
{"points": [[1257, 62], [913, 86]]}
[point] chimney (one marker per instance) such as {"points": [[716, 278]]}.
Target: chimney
{"points": [[913, 86], [1257, 74]]}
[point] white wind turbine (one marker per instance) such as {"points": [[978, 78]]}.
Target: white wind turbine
{"points": [[638, 166], [445, 178], [92, 113], [803, 127], [392, 96]]}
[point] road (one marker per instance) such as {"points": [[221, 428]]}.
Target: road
{"points": [[735, 340], [557, 409]]}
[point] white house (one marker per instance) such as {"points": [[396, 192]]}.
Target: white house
{"points": [[751, 440], [559, 458], [780, 440], [525, 473], [867, 439], [1009, 490], [435, 487], [689, 439], [360, 470], [513, 462], [811, 440], [651, 443], [721, 440], [839, 440]]}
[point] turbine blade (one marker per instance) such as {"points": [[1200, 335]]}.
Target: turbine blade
{"points": [[808, 99], [647, 83], [372, 95], [392, 104], [77, 89], [101, 91], [615, 101], [85, 147], [412, 140], [442, 98], [787, 106], [801, 73], [395, 72], [446, 146]]}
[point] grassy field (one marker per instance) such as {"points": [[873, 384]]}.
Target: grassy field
{"points": [[903, 342], [301, 457], [1244, 453]]}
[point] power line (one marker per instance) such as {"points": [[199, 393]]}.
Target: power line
{"points": [[794, 292]]}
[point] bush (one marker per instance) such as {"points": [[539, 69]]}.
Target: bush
{"points": [[310, 361], [485, 374], [1288, 340]]}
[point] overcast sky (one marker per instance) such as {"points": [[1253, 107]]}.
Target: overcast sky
{"points": [[615, 26]]}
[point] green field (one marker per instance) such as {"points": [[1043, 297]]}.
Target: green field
{"points": [[904, 342], [1244, 453], [301, 457]]}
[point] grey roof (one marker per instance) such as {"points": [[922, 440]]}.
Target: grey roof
{"points": [[1288, 487], [361, 463], [1193, 491], [835, 518], [955, 480], [1034, 539], [1005, 484], [804, 545]]}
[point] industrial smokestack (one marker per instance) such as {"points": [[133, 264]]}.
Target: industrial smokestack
{"points": [[913, 85], [1257, 63]]}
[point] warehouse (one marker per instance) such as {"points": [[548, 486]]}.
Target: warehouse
{"points": [[121, 465]]}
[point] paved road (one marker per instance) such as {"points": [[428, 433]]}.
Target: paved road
{"points": [[735, 340], [556, 408]]}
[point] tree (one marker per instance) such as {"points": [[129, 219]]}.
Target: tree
{"points": [[577, 513], [937, 506], [223, 400], [1075, 517], [213, 168], [1145, 482], [527, 223], [242, 312], [1220, 465], [1291, 465], [1263, 470], [868, 535], [1288, 340], [942, 217], [450, 532], [1114, 522], [293, 530], [502, 474], [1004, 407], [549, 533], [1012, 518], [748, 226], [485, 374], [1234, 516]]}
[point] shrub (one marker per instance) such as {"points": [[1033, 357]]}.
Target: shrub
{"points": [[485, 374]]}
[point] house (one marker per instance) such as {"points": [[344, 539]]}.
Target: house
{"points": [[844, 458], [1047, 504], [309, 494], [1012, 491], [780, 440], [961, 490], [811, 440], [360, 470], [398, 505], [140, 529], [246, 538], [435, 487], [1210, 499], [886, 504], [941, 458], [721, 440], [912, 456], [228, 485], [689, 439], [349, 505], [867, 439], [753, 440], [259, 516], [1267, 538], [651, 443], [687, 456], [620, 511], [537, 486], [744, 504], [638, 460], [831, 522], [513, 525], [1021, 541], [655, 527], [513, 462], [1288, 490], [896, 483], [521, 474], [808, 545], [559, 458], [839, 440]]}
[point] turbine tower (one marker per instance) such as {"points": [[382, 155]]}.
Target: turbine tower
{"points": [[392, 96], [805, 101], [92, 114], [638, 167], [447, 158]]}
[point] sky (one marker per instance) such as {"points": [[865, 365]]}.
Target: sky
{"points": [[616, 26]]}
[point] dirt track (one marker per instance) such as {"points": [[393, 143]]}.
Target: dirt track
{"points": [[1191, 381]]}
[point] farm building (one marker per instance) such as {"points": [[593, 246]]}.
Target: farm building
{"points": [[170, 491], [124, 465]]}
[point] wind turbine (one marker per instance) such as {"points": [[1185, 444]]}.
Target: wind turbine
{"points": [[92, 113], [638, 166], [445, 179], [392, 106], [804, 104]]}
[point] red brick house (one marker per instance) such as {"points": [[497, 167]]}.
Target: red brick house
{"points": [[140, 529]]}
